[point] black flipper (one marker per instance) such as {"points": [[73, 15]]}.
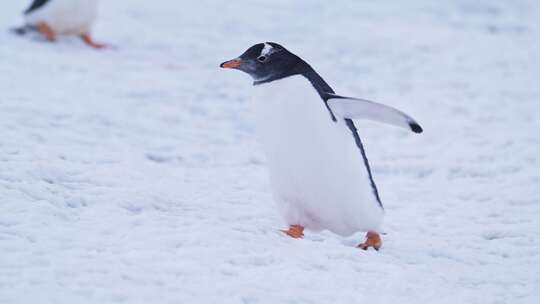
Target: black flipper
{"points": [[35, 5], [358, 141], [327, 94]]}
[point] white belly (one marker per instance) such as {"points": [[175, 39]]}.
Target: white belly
{"points": [[317, 172], [73, 17]]}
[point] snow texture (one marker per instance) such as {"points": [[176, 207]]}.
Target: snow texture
{"points": [[133, 175]]}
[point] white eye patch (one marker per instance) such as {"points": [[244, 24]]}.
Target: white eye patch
{"points": [[267, 50]]}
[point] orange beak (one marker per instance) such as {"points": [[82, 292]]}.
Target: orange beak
{"points": [[231, 64]]}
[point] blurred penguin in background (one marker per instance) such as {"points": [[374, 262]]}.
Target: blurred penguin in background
{"points": [[52, 18]]}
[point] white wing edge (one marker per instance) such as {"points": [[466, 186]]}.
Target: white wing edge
{"points": [[355, 108]]}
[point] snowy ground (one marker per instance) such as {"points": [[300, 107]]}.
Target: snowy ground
{"points": [[134, 176]]}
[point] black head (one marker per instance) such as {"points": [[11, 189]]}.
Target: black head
{"points": [[266, 62]]}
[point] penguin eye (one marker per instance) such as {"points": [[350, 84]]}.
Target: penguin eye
{"points": [[261, 58]]}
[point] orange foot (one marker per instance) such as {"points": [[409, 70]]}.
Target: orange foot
{"points": [[91, 43], [373, 239], [46, 31], [295, 231]]}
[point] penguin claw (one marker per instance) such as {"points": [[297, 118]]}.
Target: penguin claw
{"points": [[373, 239], [46, 31], [99, 46], [91, 43], [366, 247], [295, 231]]}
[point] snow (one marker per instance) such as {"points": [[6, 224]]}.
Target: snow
{"points": [[133, 175]]}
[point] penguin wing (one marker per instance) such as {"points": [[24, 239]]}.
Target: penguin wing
{"points": [[355, 108], [35, 5]]}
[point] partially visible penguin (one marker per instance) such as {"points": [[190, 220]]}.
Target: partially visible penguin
{"points": [[52, 18], [319, 171]]}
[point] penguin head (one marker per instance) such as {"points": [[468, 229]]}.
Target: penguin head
{"points": [[265, 62]]}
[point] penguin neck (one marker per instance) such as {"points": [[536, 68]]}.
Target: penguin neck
{"points": [[304, 69], [317, 81]]}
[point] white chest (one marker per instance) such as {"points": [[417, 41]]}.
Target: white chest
{"points": [[66, 16], [317, 172], [290, 118]]}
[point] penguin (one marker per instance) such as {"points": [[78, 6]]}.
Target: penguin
{"points": [[52, 18], [320, 175]]}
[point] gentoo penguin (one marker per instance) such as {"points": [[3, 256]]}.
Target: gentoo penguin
{"points": [[62, 17], [319, 171]]}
